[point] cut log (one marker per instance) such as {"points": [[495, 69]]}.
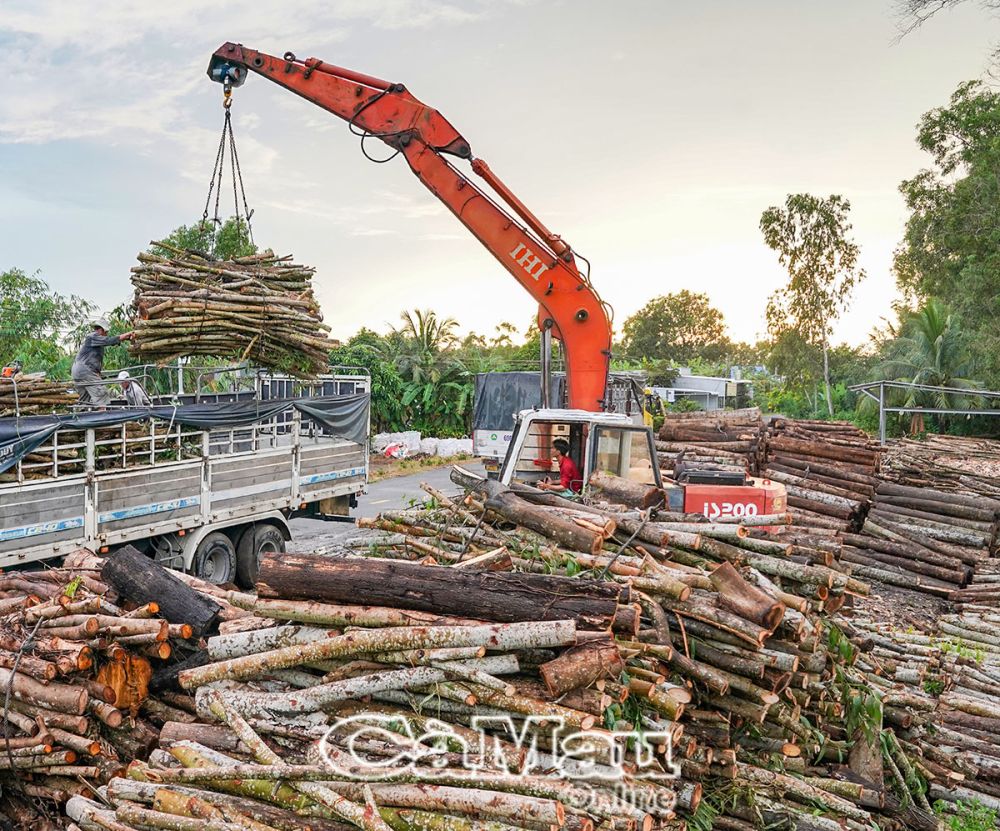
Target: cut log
{"points": [[581, 667], [497, 596], [138, 578], [625, 491]]}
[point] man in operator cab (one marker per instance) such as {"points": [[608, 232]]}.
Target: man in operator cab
{"points": [[570, 479]]}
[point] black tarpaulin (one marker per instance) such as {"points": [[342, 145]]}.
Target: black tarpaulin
{"points": [[345, 416]]}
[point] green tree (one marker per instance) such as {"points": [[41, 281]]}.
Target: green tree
{"points": [[224, 241], [437, 387], [36, 323], [811, 236], [951, 247], [366, 350], [676, 327], [930, 350]]}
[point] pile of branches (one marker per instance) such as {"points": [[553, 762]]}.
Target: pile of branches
{"points": [[829, 469], [258, 308], [726, 440], [77, 655], [31, 394]]}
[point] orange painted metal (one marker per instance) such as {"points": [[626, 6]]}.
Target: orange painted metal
{"points": [[539, 260]]}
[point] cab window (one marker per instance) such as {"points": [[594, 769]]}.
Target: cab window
{"points": [[537, 458], [624, 452]]}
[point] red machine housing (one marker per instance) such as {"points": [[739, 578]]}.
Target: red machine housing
{"points": [[758, 497]]}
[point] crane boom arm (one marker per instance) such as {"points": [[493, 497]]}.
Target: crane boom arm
{"points": [[539, 260]]}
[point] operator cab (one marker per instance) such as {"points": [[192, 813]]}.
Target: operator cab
{"points": [[607, 442]]}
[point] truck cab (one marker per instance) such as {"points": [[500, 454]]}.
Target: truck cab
{"points": [[609, 442]]}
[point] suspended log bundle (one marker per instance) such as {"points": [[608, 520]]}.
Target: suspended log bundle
{"points": [[718, 440], [829, 469], [32, 393], [259, 307]]}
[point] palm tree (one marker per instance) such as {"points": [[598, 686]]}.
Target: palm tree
{"points": [[930, 349], [437, 387], [420, 342]]}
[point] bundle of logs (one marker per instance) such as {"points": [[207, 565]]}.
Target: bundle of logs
{"points": [[30, 394], [721, 440], [78, 647], [828, 468], [258, 308]]}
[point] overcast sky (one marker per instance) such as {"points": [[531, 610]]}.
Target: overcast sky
{"points": [[651, 134]]}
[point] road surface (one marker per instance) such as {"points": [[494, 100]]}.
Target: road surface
{"points": [[385, 495]]}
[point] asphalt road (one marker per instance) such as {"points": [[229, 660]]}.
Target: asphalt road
{"points": [[385, 495]]}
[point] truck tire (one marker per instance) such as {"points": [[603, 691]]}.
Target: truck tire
{"points": [[257, 540], [215, 559]]}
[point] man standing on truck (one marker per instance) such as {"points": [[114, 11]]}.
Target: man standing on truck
{"points": [[89, 362], [570, 479]]}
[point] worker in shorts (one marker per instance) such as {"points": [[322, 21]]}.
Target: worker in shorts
{"points": [[134, 394], [570, 479], [89, 362]]}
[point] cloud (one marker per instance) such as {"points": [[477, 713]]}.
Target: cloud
{"points": [[123, 69]]}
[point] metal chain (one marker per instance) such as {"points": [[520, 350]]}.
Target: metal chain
{"points": [[228, 138]]}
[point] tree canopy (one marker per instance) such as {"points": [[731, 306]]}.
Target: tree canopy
{"points": [[225, 241], [676, 327], [811, 236], [951, 247], [36, 323]]}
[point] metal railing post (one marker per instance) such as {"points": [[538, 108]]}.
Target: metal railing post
{"points": [[90, 489], [296, 456], [881, 413]]}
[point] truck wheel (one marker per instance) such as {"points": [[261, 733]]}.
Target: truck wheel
{"points": [[215, 559], [255, 542]]}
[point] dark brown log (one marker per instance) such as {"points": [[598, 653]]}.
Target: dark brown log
{"points": [[139, 579], [496, 596], [625, 491], [856, 555], [165, 678], [581, 666], [820, 508], [906, 550], [824, 450], [862, 474]]}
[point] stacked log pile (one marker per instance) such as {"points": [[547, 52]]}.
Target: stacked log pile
{"points": [[32, 394], [720, 643], [930, 527], [946, 463], [77, 658], [259, 308], [829, 469], [941, 693], [720, 440], [738, 620]]}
